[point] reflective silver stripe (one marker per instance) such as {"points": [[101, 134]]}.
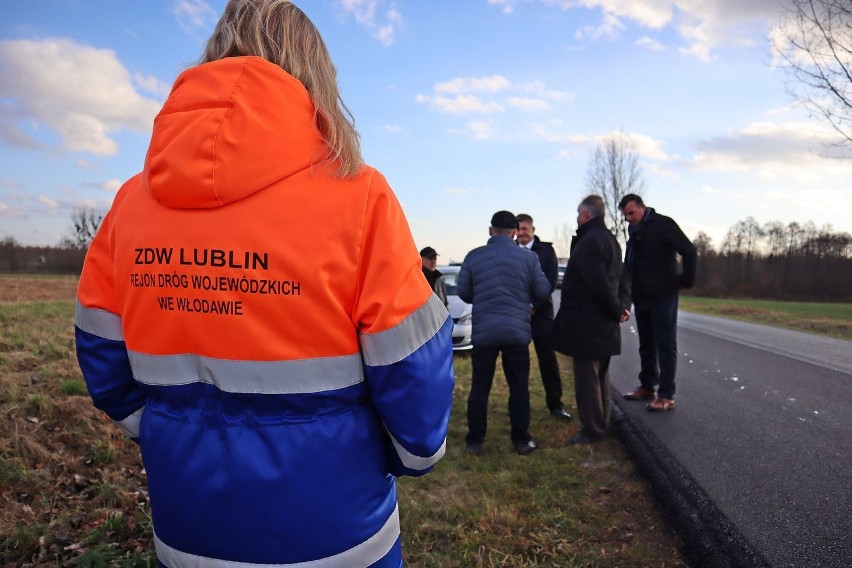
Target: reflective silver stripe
{"points": [[411, 461], [397, 343], [98, 322], [368, 552], [130, 425], [298, 376]]}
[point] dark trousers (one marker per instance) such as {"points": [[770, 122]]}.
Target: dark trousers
{"points": [[516, 367], [656, 322], [591, 387], [549, 368]]}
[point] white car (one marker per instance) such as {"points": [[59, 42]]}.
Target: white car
{"points": [[460, 311], [560, 275]]}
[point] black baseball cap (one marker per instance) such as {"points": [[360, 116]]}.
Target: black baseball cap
{"points": [[428, 252]]}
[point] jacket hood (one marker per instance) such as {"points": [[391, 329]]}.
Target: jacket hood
{"points": [[229, 129]]}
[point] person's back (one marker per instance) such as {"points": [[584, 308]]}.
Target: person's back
{"points": [[502, 281], [276, 368]]}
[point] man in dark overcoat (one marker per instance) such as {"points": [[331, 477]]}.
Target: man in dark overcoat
{"points": [[595, 300]]}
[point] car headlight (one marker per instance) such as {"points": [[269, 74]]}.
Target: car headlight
{"points": [[466, 320]]}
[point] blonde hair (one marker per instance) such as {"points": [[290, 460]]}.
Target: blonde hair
{"points": [[279, 32]]}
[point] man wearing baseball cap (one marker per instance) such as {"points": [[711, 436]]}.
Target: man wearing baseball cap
{"points": [[501, 280], [429, 261]]}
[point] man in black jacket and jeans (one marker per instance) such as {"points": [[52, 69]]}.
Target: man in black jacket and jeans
{"points": [[651, 260], [595, 300]]}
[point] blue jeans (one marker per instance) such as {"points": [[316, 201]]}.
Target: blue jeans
{"points": [[656, 321], [516, 367]]}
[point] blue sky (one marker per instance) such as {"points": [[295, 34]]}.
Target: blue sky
{"points": [[466, 106]]}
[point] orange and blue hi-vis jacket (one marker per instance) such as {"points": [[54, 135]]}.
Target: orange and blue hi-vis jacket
{"points": [[265, 332]]}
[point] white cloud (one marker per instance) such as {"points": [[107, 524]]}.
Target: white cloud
{"points": [[538, 88], [50, 203], [458, 85], [611, 27], [480, 130], [776, 151], [82, 93], [506, 6], [529, 104], [460, 104], [381, 27], [392, 128], [152, 85], [465, 190], [643, 145], [650, 44], [10, 183], [489, 95], [194, 15], [663, 172], [649, 13], [552, 132], [112, 185], [703, 26]]}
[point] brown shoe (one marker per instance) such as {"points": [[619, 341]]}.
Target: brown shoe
{"points": [[640, 394], [661, 405]]}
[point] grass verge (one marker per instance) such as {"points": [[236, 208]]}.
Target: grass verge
{"points": [[833, 320]]}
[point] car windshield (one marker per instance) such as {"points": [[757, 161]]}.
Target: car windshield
{"points": [[450, 283]]}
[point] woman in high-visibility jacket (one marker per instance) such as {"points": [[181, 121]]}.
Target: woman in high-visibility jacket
{"points": [[252, 311]]}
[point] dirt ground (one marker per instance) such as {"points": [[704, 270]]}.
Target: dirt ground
{"points": [[36, 289]]}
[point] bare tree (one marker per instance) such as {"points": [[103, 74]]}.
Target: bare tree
{"points": [[613, 173], [562, 241], [704, 248], [84, 224], [815, 43], [703, 244]]}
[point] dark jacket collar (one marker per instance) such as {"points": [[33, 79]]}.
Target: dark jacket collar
{"points": [[590, 225], [648, 217], [502, 241]]}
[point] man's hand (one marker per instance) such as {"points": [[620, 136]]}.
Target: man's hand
{"points": [[625, 315]]}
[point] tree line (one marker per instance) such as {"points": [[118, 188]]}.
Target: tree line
{"points": [[65, 258], [797, 261]]}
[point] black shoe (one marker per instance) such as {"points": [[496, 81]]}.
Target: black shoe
{"points": [[473, 449], [561, 414], [583, 438], [526, 448]]}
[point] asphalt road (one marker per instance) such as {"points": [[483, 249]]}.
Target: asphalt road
{"points": [[763, 425]]}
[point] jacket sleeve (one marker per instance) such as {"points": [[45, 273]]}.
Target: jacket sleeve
{"points": [[464, 284], [684, 247], [549, 264], [101, 351], [541, 288], [441, 290], [406, 338], [625, 294]]}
